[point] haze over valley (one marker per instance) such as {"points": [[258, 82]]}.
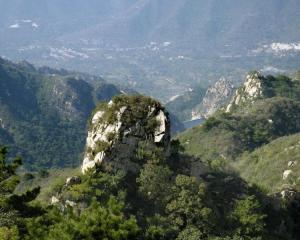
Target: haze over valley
{"points": [[154, 45]]}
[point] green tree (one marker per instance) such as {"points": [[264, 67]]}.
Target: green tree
{"points": [[249, 217], [188, 207], [155, 183], [159, 227], [190, 233], [12, 207], [96, 222]]}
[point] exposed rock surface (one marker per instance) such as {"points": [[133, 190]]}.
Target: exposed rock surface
{"points": [[215, 96], [289, 193], [54, 200], [249, 92], [286, 174], [73, 181], [118, 127]]}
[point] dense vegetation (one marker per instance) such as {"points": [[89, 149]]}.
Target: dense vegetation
{"points": [[162, 201]]}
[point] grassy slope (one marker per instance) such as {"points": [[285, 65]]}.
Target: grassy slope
{"points": [[266, 165]]}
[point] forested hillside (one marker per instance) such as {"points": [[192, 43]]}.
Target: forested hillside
{"points": [[137, 184], [43, 112]]}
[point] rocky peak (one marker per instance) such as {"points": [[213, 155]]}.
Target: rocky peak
{"points": [[215, 97], [117, 127], [251, 90]]}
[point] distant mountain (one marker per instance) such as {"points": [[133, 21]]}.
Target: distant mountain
{"points": [[202, 24], [199, 103], [134, 22], [152, 45]]}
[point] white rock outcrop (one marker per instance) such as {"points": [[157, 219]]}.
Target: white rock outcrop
{"points": [[112, 140], [160, 131], [54, 200], [249, 92], [286, 174]]}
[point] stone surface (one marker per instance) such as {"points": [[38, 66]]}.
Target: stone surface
{"points": [[214, 98], [54, 200], [286, 174], [161, 129], [249, 92]]}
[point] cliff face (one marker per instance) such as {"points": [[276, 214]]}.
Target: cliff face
{"points": [[249, 92], [214, 98], [117, 128]]}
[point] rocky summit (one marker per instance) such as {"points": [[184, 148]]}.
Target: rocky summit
{"points": [[250, 91], [117, 128]]}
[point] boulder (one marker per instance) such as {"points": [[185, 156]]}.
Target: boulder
{"points": [[73, 181], [286, 174], [54, 200]]}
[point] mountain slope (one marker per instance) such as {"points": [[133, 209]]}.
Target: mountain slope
{"points": [[43, 116], [267, 108]]}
